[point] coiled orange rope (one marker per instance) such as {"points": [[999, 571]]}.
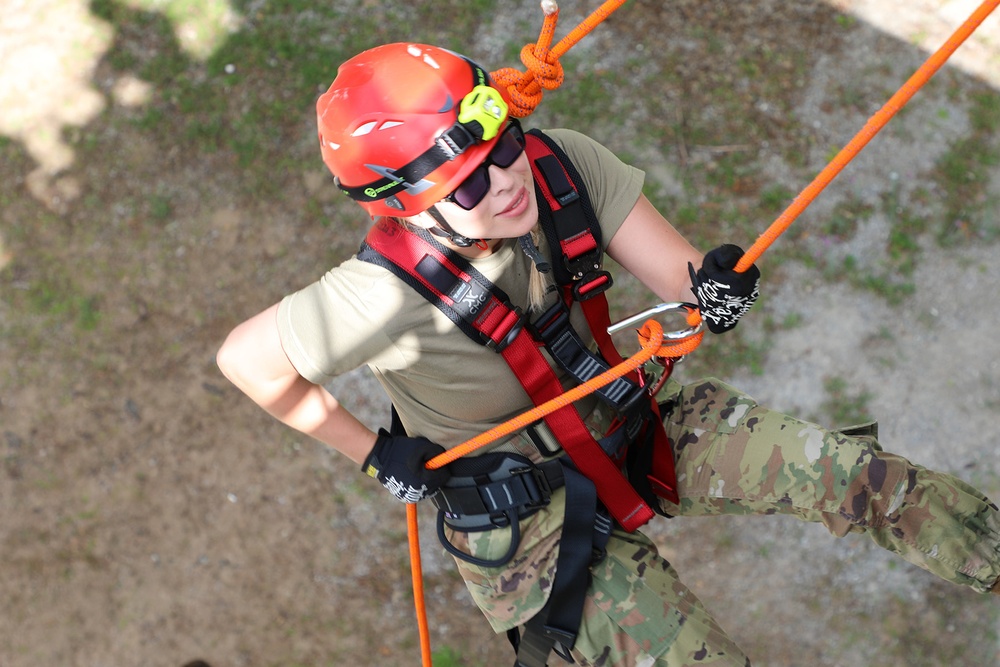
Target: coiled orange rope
{"points": [[544, 71], [861, 139]]}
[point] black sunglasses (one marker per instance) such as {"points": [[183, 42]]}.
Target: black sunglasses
{"points": [[505, 151]]}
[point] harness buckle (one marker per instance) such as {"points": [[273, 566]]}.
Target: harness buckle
{"points": [[454, 141], [591, 284], [541, 489], [515, 328], [550, 324], [581, 265], [564, 637]]}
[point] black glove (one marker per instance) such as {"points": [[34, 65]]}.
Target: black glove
{"points": [[399, 463], [723, 294]]}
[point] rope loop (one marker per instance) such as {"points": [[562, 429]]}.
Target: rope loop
{"points": [[541, 59], [544, 72], [525, 89], [651, 336], [522, 100]]}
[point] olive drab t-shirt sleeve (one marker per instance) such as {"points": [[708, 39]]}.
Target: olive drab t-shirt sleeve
{"points": [[613, 186], [342, 321]]}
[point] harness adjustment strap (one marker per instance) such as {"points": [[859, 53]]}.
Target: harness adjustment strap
{"points": [[506, 330], [526, 487], [556, 180], [586, 531], [496, 322], [553, 329], [580, 254]]}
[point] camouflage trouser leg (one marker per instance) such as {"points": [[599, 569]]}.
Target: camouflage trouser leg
{"points": [[639, 614], [735, 457]]}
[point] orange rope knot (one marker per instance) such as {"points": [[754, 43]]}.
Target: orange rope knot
{"points": [[544, 71], [522, 102], [547, 70]]}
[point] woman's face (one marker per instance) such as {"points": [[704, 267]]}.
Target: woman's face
{"points": [[508, 210]]}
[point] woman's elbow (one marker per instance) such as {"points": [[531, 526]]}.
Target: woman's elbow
{"points": [[230, 357], [252, 349]]}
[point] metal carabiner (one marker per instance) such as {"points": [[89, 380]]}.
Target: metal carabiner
{"points": [[667, 363], [671, 307]]}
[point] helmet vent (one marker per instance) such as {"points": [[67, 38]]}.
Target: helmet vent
{"points": [[417, 52], [364, 129], [389, 124]]}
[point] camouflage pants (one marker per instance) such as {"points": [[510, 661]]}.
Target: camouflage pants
{"points": [[735, 457]]}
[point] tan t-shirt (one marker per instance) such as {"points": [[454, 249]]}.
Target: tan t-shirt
{"points": [[445, 386]]}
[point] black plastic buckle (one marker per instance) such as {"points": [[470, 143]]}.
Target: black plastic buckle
{"points": [[455, 140], [591, 284], [547, 326], [564, 637], [542, 489], [584, 264]]}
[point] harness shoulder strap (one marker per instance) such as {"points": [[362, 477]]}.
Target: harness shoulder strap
{"points": [[567, 218], [570, 224]]}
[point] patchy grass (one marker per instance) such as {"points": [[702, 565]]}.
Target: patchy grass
{"points": [[845, 404], [964, 173]]}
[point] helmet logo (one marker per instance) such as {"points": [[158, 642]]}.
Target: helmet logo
{"points": [[483, 109], [385, 172]]}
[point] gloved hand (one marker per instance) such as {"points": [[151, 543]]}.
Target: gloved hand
{"points": [[399, 462], [723, 294]]}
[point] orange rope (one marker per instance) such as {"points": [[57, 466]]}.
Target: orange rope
{"points": [[861, 139], [544, 71], [417, 577]]}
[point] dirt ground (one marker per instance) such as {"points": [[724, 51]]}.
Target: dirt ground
{"points": [[150, 515]]}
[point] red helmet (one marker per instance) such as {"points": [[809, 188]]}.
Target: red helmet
{"points": [[402, 125]]}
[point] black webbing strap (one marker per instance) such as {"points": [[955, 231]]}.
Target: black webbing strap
{"points": [[565, 345], [585, 534], [524, 486]]}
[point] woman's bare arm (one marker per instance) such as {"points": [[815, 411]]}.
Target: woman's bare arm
{"points": [[649, 248], [253, 359]]}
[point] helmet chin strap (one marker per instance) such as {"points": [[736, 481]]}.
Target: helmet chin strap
{"points": [[444, 230]]}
